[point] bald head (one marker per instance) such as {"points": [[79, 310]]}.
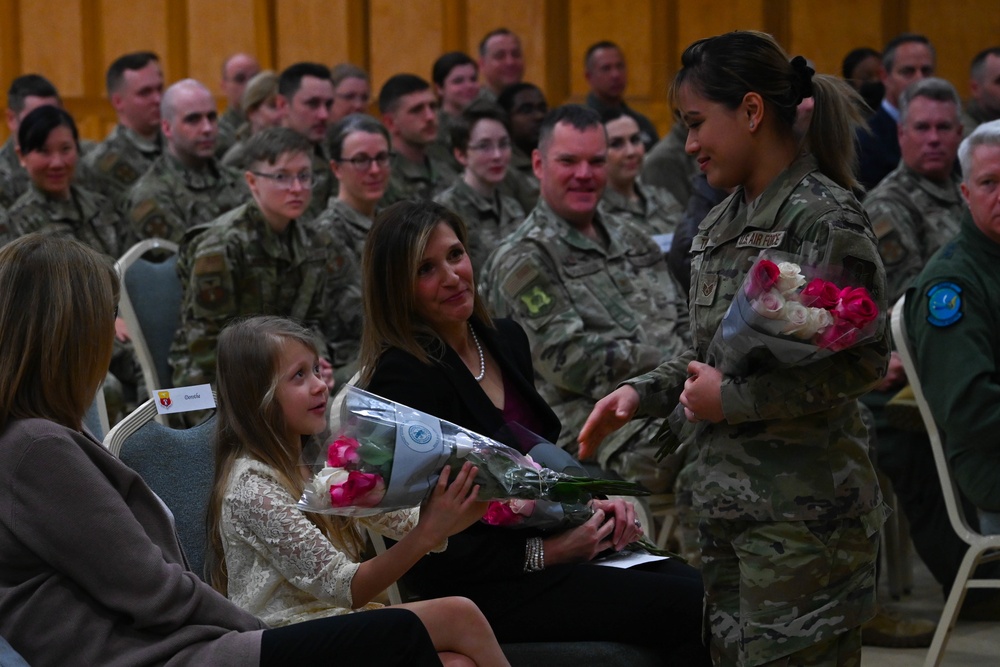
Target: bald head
{"points": [[190, 122], [236, 71]]}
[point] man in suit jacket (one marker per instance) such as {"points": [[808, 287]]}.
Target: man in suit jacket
{"points": [[907, 58]]}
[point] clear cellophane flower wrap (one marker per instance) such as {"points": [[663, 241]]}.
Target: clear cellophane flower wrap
{"points": [[785, 314], [388, 456]]}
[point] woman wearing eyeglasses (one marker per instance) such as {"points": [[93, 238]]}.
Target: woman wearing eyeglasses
{"points": [[359, 148], [258, 259], [480, 140]]}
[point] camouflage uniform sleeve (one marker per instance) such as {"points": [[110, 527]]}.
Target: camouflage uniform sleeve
{"points": [[566, 352], [787, 393], [210, 301], [896, 226], [660, 389], [149, 213], [339, 311]]}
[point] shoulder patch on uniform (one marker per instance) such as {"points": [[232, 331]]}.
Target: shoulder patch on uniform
{"points": [[944, 304], [519, 278], [214, 263]]}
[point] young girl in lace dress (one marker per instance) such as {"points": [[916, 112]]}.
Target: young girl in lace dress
{"points": [[287, 566]]}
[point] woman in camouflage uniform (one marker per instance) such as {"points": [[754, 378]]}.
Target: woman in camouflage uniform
{"points": [[787, 498]]}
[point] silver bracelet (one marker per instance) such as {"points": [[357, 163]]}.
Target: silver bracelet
{"points": [[534, 555]]}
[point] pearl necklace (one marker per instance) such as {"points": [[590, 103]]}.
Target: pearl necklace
{"points": [[482, 359]]}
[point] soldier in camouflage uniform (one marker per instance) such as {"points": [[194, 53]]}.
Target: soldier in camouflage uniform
{"points": [[306, 92], [360, 147], [185, 186], [54, 203], [789, 506], [916, 209], [482, 145], [525, 106], [984, 105], [237, 70], [650, 208], [26, 93], [593, 294], [669, 166], [258, 259], [420, 168], [135, 87]]}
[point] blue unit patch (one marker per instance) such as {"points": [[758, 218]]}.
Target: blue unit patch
{"points": [[944, 304]]}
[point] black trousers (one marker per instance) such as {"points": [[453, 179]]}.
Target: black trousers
{"points": [[383, 637]]}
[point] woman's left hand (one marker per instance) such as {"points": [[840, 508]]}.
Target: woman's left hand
{"points": [[627, 528], [702, 395]]}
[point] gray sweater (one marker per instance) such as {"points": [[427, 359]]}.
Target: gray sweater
{"points": [[91, 572]]}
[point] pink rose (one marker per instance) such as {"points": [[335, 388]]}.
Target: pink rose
{"points": [[856, 306], [361, 489], [840, 336], [770, 304], [343, 452], [820, 294], [762, 278], [499, 513]]}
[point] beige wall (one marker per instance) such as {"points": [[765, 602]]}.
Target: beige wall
{"points": [[72, 41]]}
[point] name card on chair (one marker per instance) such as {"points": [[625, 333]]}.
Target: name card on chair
{"points": [[184, 399]]}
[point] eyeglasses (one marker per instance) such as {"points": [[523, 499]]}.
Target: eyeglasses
{"points": [[488, 146], [284, 180], [363, 162]]}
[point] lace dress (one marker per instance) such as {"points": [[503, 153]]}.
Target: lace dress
{"points": [[282, 568]]}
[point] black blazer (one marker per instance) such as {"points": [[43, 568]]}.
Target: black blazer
{"points": [[483, 562], [878, 150], [447, 390]]}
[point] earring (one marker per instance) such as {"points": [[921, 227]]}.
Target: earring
{"points": [[751, 125]]}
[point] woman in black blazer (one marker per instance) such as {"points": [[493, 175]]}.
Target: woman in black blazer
{"points": [[429, 344]]}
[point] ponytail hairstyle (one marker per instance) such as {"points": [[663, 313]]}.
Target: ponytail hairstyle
{"points": [[250, 424], [723, 69]]}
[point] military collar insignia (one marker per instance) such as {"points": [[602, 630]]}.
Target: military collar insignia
{"points": [[944, 304]]}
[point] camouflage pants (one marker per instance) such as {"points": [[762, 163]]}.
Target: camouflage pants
{"points": [[787, 593]]}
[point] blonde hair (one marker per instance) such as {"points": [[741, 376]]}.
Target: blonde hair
{"points": [[57, 314], [250, 424], [393, 250]]}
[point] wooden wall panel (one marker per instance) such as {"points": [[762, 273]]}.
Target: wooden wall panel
{"points": [[136, 25], [215, 31], [959, 30], [824, 32], [406, 37], [40, 22], [711, 17], [390, 36], [313, 30]]}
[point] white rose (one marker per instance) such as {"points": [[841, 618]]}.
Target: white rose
{"points": [[790, 277], [769, 305], [806, 322], [317, 492], [797, 316]]}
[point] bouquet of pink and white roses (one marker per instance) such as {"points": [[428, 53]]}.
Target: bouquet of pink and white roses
{"points": [[388, 456], [794, 314], [784, 314]]}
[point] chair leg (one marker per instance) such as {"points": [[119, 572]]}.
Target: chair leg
{"points": [[949, 615]]}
